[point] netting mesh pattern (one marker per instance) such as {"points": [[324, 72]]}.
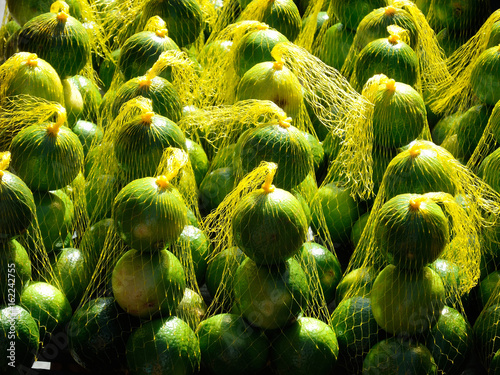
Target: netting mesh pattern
{"points": [[246, 187]]}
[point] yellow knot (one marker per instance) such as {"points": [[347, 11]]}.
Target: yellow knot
{"points": [[62, 16], [415, 151], [53, 128], [394, 39], [285, 122], [262, 26], [4, 162], [415, 203], [278, 65], [162, 33], [162, 182], [32, 60], [390, 85], [145, 82], [147, 117], [390, 11]]}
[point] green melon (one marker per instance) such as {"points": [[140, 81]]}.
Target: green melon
{"points": [[486, 338], [399, 115], [357, 283], [284, 16], [255, 47], [389, 56], [91, 97], [488, 170], [214, 188], [149, 214], [199, 160], [107, 69], [147, 284], [334, 212], [59, 39], [269, 227], [229, 345], [46, 157], [495, 35], [6, 32], [351, 13], [272, 81], [393, 355], [32, 76], [374, 25], [15, 271], [421, 168], [140, 142], [470, 128], [282, 144], [184, 18], [356, 330], [89, 134], [411, 231], [458, 15], [165, 98], [407, 303], [142, 50], [450, 341], [17, 206], [97, 333], [485, 78], [24, 10], [270, 297], [336, 45]]}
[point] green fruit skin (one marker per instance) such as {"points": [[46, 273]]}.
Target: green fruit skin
{"points": [[458, 15], [399, 116], [488, 286], [486, 340], [336, 45], [450, 341], [318, 259], [356, 330], [48, 306], [55, 213], [45, 162], [194, 241], [73, 274], [397, 61], [184, 18], [163, 346], [269, 227], [470, 127], [198, 159], [100, 193], [107, 69], [147, 217], [485, 76], [351, 13], [263, 81], [407, 303], [25, 337], [97, 333], [17, 206], [64, 45], [339, 210], [411, 238], [357, 283], [284, 16], [88, 133], [147, 284], [270, 298], [488, 170], [424, 173], [73, 101], [374, 26], [141, 51], [139, 146], [286, 147], [255, 48], [307, 346], [397, 357], [229, 345], [41, 81], [91, 97], [24, 10], [214, 188], [220, 274], [15, 271], [165, 98]]}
